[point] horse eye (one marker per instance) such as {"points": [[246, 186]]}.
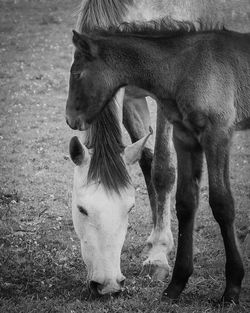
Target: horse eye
{"points": [[82, 210], [131, 208]]}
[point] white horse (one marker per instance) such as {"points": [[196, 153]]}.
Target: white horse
{"points": [[102, 199]]}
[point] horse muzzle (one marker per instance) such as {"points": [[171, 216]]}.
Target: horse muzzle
{"points": [[111, 288]]}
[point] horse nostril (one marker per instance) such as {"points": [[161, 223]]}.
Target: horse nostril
{"points": [[122, 282], [95, 286], [67, 120], [72, 125]]}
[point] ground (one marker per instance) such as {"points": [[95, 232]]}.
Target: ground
{"points": [[41, 269]]}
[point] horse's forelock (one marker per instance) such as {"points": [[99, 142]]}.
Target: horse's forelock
{"points": [[105, 138]]}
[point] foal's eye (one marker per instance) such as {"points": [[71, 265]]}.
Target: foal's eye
{"points": [[76, 75], [82, 210]]}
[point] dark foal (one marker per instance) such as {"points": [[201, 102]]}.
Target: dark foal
{"points": [[201, 80]]}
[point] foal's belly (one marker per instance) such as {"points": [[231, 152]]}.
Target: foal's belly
{"points": [[189, 138], [188, 126]]}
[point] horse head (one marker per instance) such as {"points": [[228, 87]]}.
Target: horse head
{"points": [[100, 218]]}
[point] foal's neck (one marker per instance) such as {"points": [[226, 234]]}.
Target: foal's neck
{"points": [[148, 64]]}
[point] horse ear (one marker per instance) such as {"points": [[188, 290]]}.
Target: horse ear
{"points": [[85, 44], [132, 153], [78, 152]]}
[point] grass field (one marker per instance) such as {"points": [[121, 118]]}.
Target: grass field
{"points": [[41, 269]]}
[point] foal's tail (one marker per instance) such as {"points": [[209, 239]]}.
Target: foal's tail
{"points": [[101, 13]]}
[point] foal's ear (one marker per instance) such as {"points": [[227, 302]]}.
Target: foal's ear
{"points": [[78, 152], [85, 44], [132, 153]]}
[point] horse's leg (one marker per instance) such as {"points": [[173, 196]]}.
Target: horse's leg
{"points": [[160, 241], [136, 119], [189, 169], [217, 147]]}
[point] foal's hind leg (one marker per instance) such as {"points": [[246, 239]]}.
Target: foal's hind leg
{"points": [[136, 119], [217, 146], [189, 169]]}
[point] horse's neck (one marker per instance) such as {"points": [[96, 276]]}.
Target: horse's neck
{"points": [[113, 12], [190, 10]]}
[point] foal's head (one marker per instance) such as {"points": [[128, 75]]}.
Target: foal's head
{"points": [[100, 217], [92, 83]]}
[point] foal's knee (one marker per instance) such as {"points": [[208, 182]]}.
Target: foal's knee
{"points": [[187, 200], [222, 205], [185, 208]]}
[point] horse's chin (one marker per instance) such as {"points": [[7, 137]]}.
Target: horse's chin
{"points": [[104, 293], [108, 292]]}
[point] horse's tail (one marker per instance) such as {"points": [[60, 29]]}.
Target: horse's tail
{"points": [[101, 13]]}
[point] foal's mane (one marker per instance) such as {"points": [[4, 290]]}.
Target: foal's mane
{"points": [[164, 27], [105, 138]]}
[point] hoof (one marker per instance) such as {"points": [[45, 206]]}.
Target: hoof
{"points": [[170, 301], [172, 292], [230, 298], [156, 270]]}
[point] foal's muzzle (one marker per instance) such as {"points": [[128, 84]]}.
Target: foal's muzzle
{"points": [[77, 123]]}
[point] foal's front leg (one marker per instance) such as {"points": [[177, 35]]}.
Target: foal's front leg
{"points": [[217, 146], [189, 169]]}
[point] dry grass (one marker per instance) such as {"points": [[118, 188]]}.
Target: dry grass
{"points": [[40, 264]]}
